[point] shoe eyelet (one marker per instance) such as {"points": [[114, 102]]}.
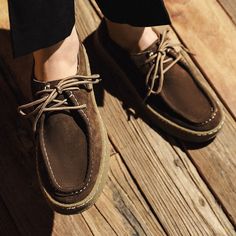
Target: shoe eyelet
{"points": [[47, 86]]}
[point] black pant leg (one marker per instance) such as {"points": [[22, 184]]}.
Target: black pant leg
{"points": [[37, 24], [135, 12]]}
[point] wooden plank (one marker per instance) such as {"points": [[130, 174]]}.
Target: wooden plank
{"points": [[17, 167], [209, 33], [70, 225], [182, 206], [216, 163], [108, 217], [4, 20], [144, 152], [211, 219], [30, 211], [230, 7], [7, 225], [22, 174], [86, 20], [135, 144], [130, 205]]}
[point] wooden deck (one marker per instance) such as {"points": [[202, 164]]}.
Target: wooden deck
{"points": [[157, 185]]}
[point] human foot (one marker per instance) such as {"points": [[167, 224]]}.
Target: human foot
{"points": [[58, 61], [132, 39], [71, 142], [167, 85]]}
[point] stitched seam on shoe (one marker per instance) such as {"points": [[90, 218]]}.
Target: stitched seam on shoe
{"points": [[183, 130], [205, 133], [210, 119], [98, 186], [194, 72], [90, 174], [44, 147], [90, 131]]}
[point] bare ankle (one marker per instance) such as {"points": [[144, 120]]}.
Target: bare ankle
{"points": [[132, 39], [57, 61]]}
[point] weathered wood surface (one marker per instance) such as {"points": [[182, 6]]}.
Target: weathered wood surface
{"points": [[230, 8], [209, 33], [120, 210], [156, 186], [124, 138], [174, 189], [4, 22], [216, 162]]}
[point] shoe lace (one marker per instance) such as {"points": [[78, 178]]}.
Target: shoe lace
{"points": [[157, 70], [49, 101]]}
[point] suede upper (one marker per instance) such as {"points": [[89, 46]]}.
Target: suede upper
{"points": [[167, 85], [182, 98], [69, 141]]}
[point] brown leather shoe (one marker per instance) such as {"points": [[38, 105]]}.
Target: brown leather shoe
{"points": [[167, 86], [71, 141]]}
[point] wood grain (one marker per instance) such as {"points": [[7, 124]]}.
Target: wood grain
{"points": [[208, 32], [230, 7], [130, 205], [216, 162], [30, 211], [177, 200], [183, 206], [156, 185], [4, 19], [216, 56]]}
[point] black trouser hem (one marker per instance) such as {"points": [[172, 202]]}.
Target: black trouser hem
{"points": [[36, 25], [28, 41]]}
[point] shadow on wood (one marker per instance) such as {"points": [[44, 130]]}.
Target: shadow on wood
{"points": [[117, 88], [19, 186]]}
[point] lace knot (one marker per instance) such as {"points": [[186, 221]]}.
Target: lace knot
{"points": [[156, 75], [51, 102], [161, 51], [58, 89]]}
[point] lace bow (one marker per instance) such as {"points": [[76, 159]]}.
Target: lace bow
{"points": [[49, 102]]}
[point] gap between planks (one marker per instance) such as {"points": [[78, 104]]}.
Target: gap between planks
{"points": [[230, 8], [30, 212], [227, 197]]}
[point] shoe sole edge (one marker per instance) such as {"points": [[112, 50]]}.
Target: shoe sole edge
{"points": [[80, 206], [156, 118]]}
